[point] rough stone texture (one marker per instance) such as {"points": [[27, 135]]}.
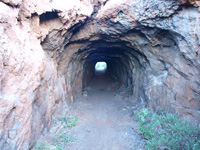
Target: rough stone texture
{"points": [[31, 88], [189, 2], [49, 49], [13, 3]]}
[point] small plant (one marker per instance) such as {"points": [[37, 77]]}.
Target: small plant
{"points": [[47, 146], [167, 131], [62, 137], [71, 123], [59, 147]]}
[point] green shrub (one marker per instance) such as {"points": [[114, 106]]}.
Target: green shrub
{"points": [[167, 131], [64, 138], [71, 123]]}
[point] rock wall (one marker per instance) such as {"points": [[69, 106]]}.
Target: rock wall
{"points": [[49, 49]]}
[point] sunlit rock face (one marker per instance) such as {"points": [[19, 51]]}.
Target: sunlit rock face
{"points": [[49, 50]]}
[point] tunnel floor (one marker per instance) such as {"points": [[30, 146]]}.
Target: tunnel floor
{"points": [[105, 121]]}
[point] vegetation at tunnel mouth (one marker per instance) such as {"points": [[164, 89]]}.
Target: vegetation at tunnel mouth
{"points": [[165, 131]]}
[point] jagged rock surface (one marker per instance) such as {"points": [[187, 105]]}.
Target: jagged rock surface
{"points": [[49, 49]]}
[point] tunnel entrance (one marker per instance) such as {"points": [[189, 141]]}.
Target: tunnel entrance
{"points": [[139, 60]]}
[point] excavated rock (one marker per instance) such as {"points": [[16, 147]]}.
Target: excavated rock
{"points": [[49, 49], [189, 2]]}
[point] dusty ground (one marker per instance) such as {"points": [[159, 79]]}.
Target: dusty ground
{"points": [[105, 121]]}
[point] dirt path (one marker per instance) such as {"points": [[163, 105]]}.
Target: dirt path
{"points": [[105, 121]]}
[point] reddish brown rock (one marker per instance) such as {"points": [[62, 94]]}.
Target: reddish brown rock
{"points": [[49, 50], [189, 2]]}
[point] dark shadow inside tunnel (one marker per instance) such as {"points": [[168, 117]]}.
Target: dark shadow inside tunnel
{"points": [[123, 70], [101, 79]]}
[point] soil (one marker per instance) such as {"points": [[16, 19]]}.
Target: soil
{"points": [[105, 121]]}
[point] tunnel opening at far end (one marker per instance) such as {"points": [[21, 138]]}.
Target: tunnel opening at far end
{"points": [[100, 67]]}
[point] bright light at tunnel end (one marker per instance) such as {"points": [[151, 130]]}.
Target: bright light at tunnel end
{"points": [[100, 66]]}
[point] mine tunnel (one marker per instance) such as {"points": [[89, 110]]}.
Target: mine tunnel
{"points": [[141, 60], [132, 55], [136, 60], [125, 67]]}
